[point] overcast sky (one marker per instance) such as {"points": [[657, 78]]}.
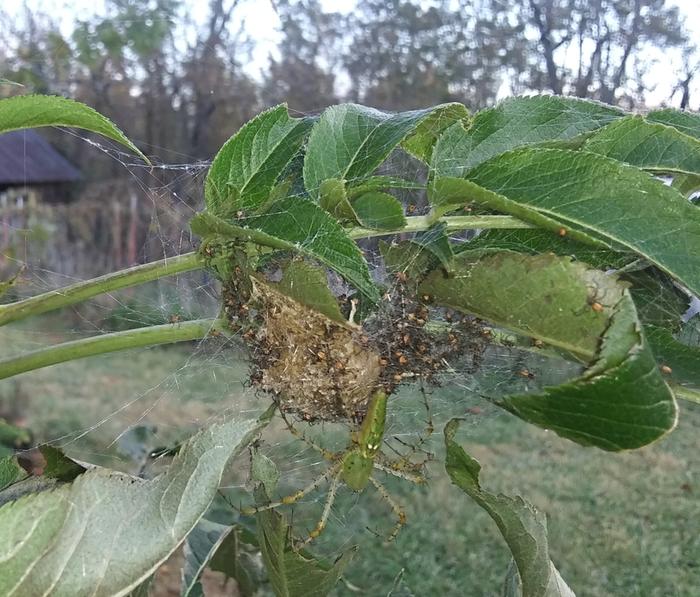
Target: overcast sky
{"points": [[262, 22]]}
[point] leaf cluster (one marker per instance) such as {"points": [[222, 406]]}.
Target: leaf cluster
{"points": [[599, 271]]}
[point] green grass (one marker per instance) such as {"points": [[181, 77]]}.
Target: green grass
{"points": [[620, 524]]}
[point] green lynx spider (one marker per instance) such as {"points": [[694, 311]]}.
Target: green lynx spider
{"points": [[354, 467]]}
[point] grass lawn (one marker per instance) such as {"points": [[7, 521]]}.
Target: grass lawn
{"points": [[620, 524]]}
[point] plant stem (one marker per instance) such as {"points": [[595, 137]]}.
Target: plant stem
{"points": [[80, 291], [87, 347], [686, 393], [421, 223], [75, 293]]}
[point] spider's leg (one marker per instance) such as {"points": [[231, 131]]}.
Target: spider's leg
{"points": [[423, 438], [399, 472], [295, 497], [395, 508], [321, 524], [327, 454]]}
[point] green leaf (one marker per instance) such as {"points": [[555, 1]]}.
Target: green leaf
{"points": [[686, 122], [436, 242], [134, 525], [263, 471], [653, 147], [218, 546], [591, 197], [683, 360], [198, 549], [516, 122], [534, 241], [294, 573], [144, 589], [308, 285], [10, 471], [523, 527], [58, 465], [620, 401], [407, 257], [238, 557], [249, 164], [32, 111], [544, 297], [658, 300], [349, 141], [379, 211], [420, 144], [379, 183], [303, 227], [334, 199]]}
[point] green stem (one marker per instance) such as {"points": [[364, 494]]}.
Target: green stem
{"points": [[421, 223], [87, 347], [686, 393], [75, 293]]}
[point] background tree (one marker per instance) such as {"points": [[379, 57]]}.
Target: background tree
{"points": [[217, 95], [302, 75], [405, 54], [587, 49]]}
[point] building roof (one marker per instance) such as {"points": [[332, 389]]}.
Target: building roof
{"points": [[27, 158]]}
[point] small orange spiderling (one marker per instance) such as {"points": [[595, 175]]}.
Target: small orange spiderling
{"points": [[562, 231], [597, 307], [666, 369]]}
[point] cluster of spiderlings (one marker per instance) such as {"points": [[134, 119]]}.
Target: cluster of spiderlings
{"points": [[319, 370], [416, 340]]}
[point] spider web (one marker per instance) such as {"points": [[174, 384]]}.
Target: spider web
{"points": [[117, 409]]}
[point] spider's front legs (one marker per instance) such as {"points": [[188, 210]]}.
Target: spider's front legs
{"points": [[295, 497], [399, 470], [321, 524], [327, 454], [395, 508]]}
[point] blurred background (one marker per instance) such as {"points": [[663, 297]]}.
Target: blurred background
{"points": [[180, 78]]}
